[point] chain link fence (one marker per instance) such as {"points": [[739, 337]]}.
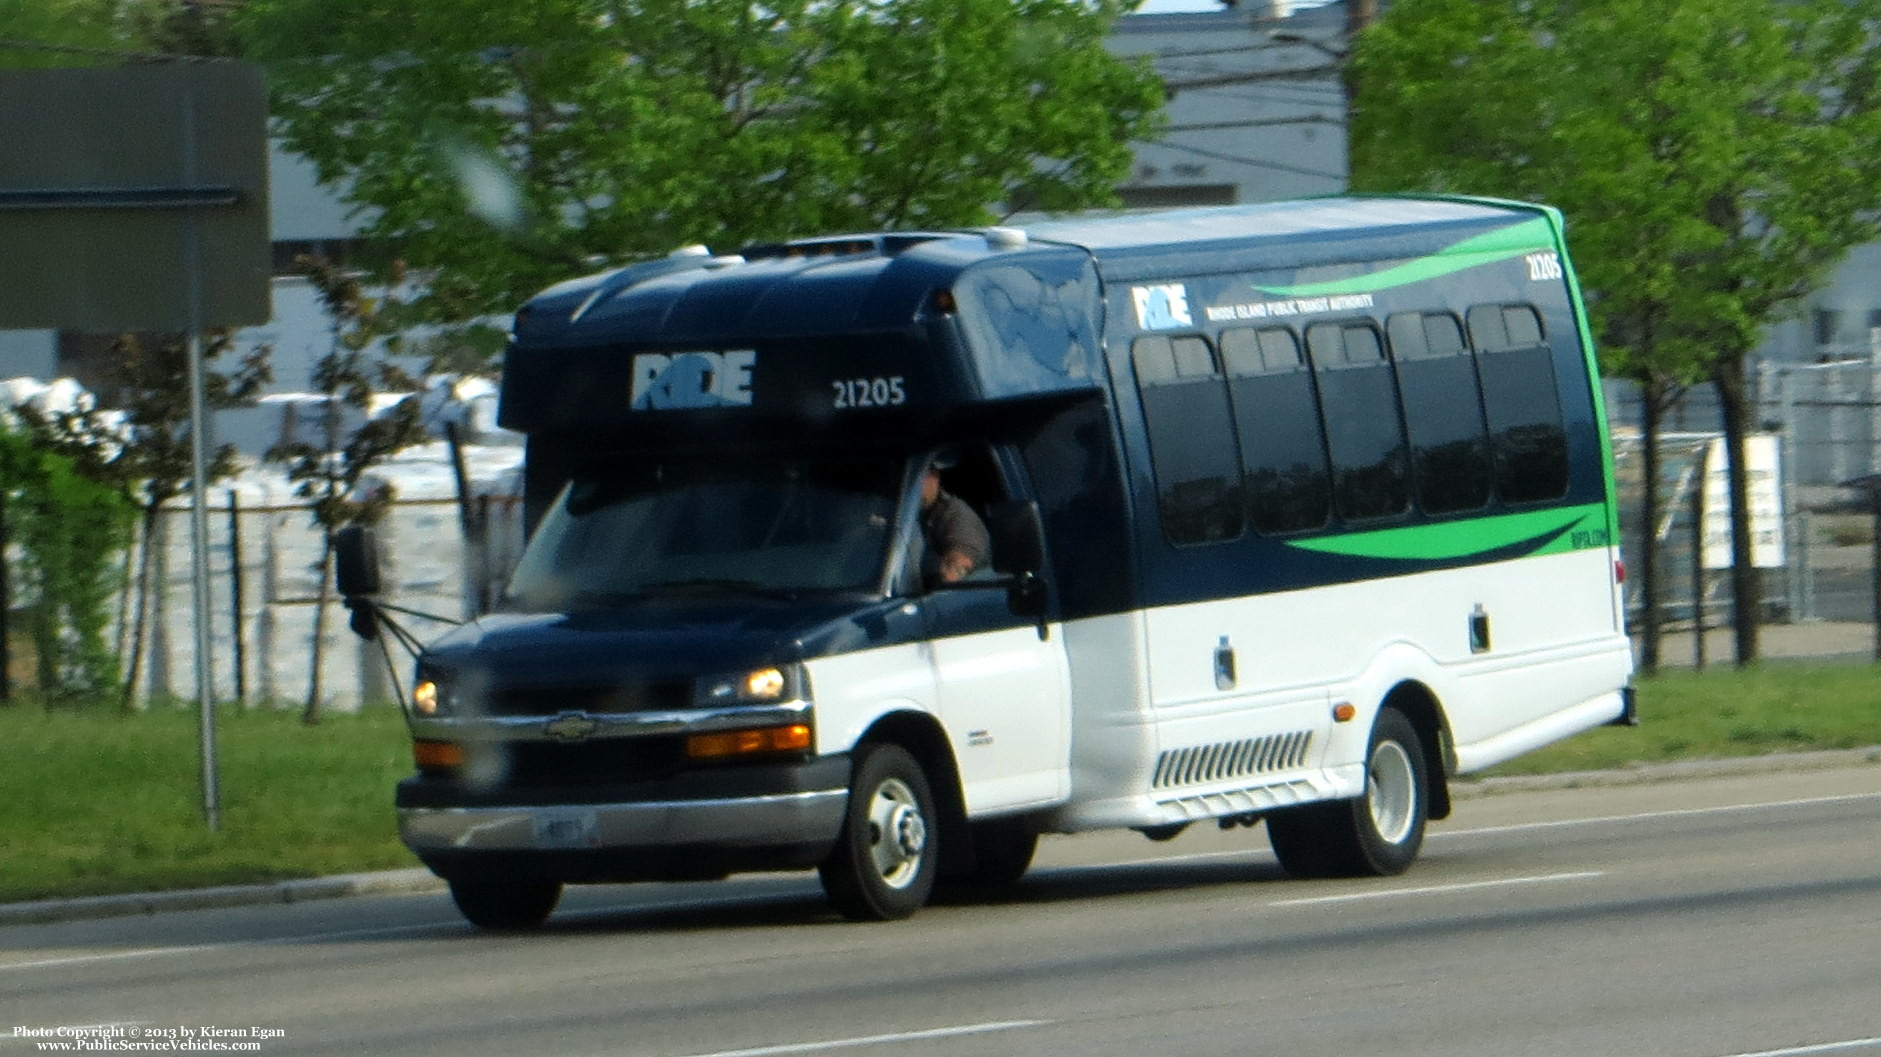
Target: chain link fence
{"points": [[1824, 420]]}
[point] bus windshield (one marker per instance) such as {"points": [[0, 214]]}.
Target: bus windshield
{"points": [[763, 526]]}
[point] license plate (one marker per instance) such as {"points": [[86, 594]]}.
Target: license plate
{"points": [[566, 829]]}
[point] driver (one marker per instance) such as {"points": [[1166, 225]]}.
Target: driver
{"points": [[957, 542]]}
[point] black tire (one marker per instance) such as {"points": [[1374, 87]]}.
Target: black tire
{"points": [[1378, 834], [503, 905], [885, 859], [1002, 850]]}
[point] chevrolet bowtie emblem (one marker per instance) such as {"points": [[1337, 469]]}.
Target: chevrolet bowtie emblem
{"points": [[571, 726]]}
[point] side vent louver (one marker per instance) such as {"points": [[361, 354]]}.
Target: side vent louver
{"points": [[1199, 764]]}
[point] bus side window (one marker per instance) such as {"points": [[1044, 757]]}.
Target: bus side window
{"points": [[1283, 444], [1371, 476], [1191, 438], [1521, 402], [1443, 412]]}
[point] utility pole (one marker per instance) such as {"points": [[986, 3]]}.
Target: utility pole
{"points": [[1359, 15]]}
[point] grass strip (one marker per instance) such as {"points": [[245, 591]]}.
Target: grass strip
{"points": [[92, 802], [1725, 712]]}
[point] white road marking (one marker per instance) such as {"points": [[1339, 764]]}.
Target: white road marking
{"points": [[1516, 827], [1463, 886], [154, 952], [874, 1040], [1825, 1047], [198, 948], [320, 937]]}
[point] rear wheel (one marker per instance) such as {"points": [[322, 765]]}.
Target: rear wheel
{"points": [[883, 865], [1378, 834], [505, 905]]}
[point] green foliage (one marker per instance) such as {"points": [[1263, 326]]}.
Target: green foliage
{"points": [[498, 147], [1713, 157], [143, 444], [143, 448], [69, 530], [52, 33]]}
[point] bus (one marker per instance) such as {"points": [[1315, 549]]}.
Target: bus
{"points": [[1296, 511]]}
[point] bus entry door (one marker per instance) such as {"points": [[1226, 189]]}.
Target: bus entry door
{"points": [[1004, 697]]}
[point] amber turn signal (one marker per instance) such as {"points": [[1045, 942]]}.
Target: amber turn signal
{"points": [[795, 738], [437, 755]]}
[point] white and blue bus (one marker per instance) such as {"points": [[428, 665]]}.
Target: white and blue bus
{"points": [[1297, 510]]}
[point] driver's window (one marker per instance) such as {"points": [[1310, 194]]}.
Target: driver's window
{"points": [[952, 543]]}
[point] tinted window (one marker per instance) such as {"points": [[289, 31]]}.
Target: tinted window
{"points": [[1520, 402], [1443, 413], [1283, 446], [1191, 435], [1370, 459]]}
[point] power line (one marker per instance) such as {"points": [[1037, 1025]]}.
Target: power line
{"points": [[1297, 73], [1219, 156], [1303, 119]]}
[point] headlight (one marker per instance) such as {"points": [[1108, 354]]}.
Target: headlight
{"points": [[426, 698], [758, 686]]}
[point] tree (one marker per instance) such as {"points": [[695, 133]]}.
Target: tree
{"points": [[1713, 157], [77, 32], [69, 529], [142, 447], [580, 129], [331, 474]]}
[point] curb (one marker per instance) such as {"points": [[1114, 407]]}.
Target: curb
{"points": [[1673, 771], [389, 882], [418, 879]]}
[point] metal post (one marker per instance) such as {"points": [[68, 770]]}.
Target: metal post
{"points": [[1874, 565], [235, 597], [6, 604], [1698, 561], [471, 527], [199, 474]]}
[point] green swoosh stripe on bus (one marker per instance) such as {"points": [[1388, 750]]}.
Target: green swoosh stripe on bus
{"points": [[1513, 241], [1537, 532]]}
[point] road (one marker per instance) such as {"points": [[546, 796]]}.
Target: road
{"points": [[1715, 917]]}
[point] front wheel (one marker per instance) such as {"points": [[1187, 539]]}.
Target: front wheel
{"points": [[1002, 849], [882, 867], [503, 905], [1378, 834]]}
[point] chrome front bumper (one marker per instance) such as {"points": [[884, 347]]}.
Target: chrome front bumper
{"points": [[801, 818]]}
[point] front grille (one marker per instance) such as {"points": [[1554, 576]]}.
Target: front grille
{"points": [[664, 696], [527, 764]]}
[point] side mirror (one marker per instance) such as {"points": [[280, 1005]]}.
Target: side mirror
{"points": [[364, 618], [1018, 534], [356, 562]]}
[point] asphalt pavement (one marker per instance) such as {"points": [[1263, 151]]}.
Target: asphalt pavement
{"points": [[1820, 640]]}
